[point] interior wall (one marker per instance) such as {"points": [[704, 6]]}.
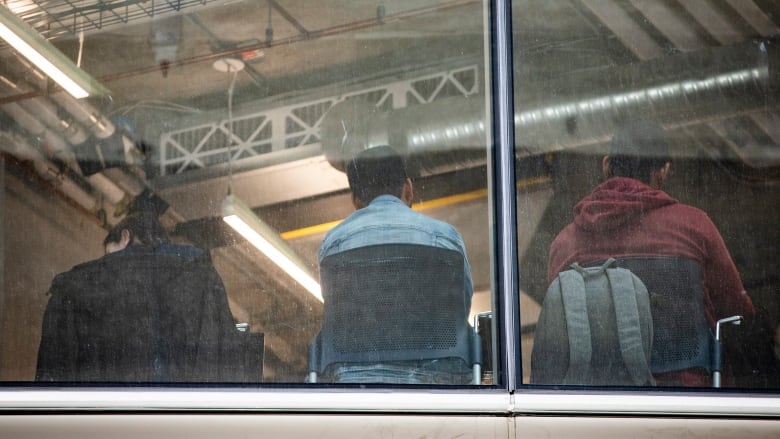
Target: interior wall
{"points": [[42, 236]]}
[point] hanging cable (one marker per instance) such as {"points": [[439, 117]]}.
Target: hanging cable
{"points": [[231, 66], [230, 127], [81, 42]]}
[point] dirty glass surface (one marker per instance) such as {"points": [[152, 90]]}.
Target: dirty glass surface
{"points": [[704, 72], [199, 110]]}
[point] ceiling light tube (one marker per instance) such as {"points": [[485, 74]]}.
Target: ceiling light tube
{"points": [[245, 222], [46, 57]]}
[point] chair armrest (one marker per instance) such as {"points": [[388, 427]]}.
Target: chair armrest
{"points": [[314, 359]]}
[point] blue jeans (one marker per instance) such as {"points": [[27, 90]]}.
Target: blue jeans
{"points": [[452, 372]]}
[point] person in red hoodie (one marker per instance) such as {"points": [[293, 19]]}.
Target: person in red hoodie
{"points": [[629, 214]]}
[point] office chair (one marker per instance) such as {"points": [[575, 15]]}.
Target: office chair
{"points": [[682, 338], [391, 303]]}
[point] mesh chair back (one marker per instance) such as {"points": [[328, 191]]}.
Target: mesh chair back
{"points": [[394, 302], [681, 334]]}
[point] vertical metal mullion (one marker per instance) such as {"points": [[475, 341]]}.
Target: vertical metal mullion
{"points": [[502, 102], [3, 209]]}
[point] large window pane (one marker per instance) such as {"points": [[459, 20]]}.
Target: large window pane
{"points": [[263, 101], [601, 78]]}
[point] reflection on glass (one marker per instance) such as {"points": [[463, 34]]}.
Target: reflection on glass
{"points": [[186, 124], [589, 69]]}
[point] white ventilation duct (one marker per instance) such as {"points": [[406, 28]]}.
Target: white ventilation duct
{"points": [[40, 117], [575, 110], [46, 112], [17, 146], [58, 147], [52, 141], [86, 114]]}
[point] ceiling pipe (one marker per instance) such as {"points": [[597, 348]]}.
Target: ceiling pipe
{"points": [[86, 114], [17, 146], [24, 74], [113, 193], [566, 112], [51, 140], [48, 125], [118, 186], [54, 144], [676, 91], [45, 111]]}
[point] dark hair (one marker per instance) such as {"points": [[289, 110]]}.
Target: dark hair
{"points": [[144, 227], [638, 149], [376, 171]]}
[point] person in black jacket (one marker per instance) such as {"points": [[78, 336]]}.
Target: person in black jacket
{"points": [[147, 311]]}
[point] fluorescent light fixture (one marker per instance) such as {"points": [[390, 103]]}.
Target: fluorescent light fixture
{"points": [[46, 57], [244, 221]]}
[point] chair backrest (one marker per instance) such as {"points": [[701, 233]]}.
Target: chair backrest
{"points": [[681, 334], [387, 303]]}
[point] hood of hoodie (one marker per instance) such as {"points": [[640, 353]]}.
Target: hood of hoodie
{"points": [[616, 202]]}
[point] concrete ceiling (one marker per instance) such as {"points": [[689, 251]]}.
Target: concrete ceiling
{"points": [[566, 52]]}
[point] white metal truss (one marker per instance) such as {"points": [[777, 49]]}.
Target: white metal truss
{"points": [[291, 126]]}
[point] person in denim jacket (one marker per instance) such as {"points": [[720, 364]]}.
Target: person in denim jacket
{"points": [[382, 195]]}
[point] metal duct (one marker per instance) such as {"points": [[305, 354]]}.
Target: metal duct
{"points": [[76, 137], [41, 117], [17, 146], [570, 111], [53, 142], [81, 110], [86, 114], [47, 112], [61, 149], [676, 90], [113, 193]]}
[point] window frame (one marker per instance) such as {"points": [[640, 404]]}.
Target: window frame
{"points": [[547, 400], [322, 398], [509, 397]]}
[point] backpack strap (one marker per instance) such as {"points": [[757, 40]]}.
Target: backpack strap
{"points": [[628, 327], [575, 310]]}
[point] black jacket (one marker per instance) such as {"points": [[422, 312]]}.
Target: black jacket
{"points": [[144, 315]]}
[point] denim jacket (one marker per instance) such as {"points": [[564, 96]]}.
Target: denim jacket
{"points": [[387, 220]]}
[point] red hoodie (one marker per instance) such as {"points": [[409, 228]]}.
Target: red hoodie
{"points": [[625, 217]]}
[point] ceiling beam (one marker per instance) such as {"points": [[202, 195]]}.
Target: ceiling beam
{"points": [[290, 19], [755, 17], [671, 24], [628, 31], [719, 25]]}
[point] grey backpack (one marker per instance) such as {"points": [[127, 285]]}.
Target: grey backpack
{"points": [[595, 328]]}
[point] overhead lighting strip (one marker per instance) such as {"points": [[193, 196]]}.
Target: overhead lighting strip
{"points": [[46, 57], [264, 238]]}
